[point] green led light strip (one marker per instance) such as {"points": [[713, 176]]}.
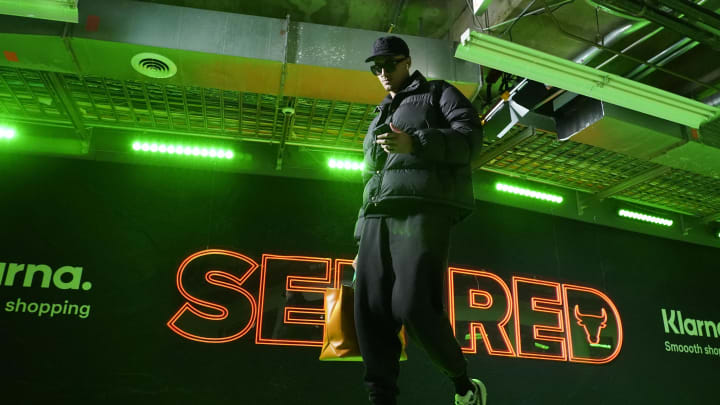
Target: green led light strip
{"points": [[542, 346], [553, 71], [528, 193], [183, 150], [345, 164], [7, 133], [646, 218]]}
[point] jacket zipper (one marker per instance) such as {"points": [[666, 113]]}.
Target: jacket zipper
{"points": [[381, 172]]}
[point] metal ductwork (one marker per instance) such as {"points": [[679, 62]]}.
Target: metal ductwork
{"points": [[639, 135], [219, 50], [681, 133]]}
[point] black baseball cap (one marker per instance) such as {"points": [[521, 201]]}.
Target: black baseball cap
{"points": [[389, 46]]}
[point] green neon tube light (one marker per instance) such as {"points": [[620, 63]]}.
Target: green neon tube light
{"points": [[478, 336], [182, 150], [645, 218], [344, 164], [528, 193], [7, 133], [603, 346], [526, 62], [542, 346]]}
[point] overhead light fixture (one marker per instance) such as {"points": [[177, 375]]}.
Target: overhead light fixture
{"points": [[344, 164], [551, 70], [528, 193], [645, 217], [7, 133], [55, 10], [183, 150], [480, 6]]}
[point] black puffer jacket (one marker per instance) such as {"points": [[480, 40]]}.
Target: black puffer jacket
{"points": [[446, 132]]}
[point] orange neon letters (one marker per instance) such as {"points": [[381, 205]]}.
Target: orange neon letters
{"points": [[551, 321], [299, 286], [578, 340], [548, 333], [491, 328], [200, 319]]}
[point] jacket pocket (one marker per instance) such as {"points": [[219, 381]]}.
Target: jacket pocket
{"points": [[420, 183]]}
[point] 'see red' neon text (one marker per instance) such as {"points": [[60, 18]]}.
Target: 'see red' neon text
{"points": [[526, 318]]}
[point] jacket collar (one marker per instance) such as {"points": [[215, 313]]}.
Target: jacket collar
{"points": [[413, 82]]}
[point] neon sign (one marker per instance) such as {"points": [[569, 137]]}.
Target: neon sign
{"points": [[527, 318]]}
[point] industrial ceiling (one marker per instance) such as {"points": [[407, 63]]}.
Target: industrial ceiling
{"points": [[284, 81]]}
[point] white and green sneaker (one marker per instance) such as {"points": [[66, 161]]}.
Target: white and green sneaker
{"points": [[476, 397]]}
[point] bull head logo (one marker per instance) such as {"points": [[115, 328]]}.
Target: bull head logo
{"points": [[595, 321]]}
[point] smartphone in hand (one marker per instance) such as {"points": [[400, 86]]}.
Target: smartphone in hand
{"points": [[382, 129]]}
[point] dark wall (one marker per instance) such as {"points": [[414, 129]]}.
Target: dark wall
{"points": [[130, 227]]}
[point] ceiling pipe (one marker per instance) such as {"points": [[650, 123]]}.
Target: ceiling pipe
{"points": [[661, 59], [529, 13], [691, 26], [631, 46], [609, 39], [713, 100], [396, 15], [679, 48], [621, 32]]}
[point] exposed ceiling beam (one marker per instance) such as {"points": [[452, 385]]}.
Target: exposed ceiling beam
{"points": [[69, 106], [632, 181], [509, 143]]}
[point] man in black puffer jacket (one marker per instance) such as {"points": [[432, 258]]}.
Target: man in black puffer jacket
{"points": [[418, 184]]}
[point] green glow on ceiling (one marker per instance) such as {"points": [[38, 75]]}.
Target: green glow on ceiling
{"points": [[645, 218], [183, 150], [528, 193], [7, 133], [345, 164], [57, 10]]}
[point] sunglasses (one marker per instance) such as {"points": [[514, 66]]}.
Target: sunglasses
{"points": [[389, 66]]}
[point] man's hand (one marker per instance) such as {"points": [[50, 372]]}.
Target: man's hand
{"points": [[396, 141]]}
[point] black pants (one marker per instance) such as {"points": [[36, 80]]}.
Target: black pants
{"points": [[402, 263]]}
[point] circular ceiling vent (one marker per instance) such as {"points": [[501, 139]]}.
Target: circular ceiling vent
{"points": [[153, 65]]}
